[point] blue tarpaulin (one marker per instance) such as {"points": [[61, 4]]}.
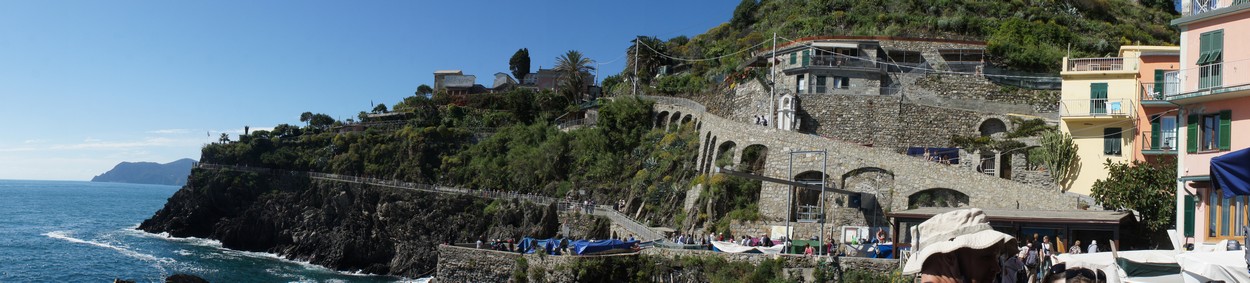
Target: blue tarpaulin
{"points": [[937, 154], [1231, 173], [584, 247]]}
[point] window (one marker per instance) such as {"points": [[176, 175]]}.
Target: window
{"points": [[1225, 216], [792, 57], [1162, 133], [1209, 138], [1210, 57], [1210, 132], [1111, 141], [800, 84], [1168, 132], [820, 84], [842, 82], [1097, 98]]}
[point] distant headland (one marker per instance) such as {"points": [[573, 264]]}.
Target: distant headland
{"points": [[173, 173]]}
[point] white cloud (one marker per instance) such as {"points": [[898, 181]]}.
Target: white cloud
{"points": [[100, 144], [169, 131], [32, 141]]}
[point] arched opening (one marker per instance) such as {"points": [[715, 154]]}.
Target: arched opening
{"points": [[661, 119], [710, 156], [992, 126], [725, 153], [686, 119], [753, 158], [807, 206], [937, 197], [874, 180], [674, 121]]}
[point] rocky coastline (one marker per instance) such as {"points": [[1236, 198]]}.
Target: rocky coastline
{"points": [[342, 226]]}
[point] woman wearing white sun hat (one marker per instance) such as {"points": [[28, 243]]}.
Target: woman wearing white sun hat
{"points": [[958, 246]]}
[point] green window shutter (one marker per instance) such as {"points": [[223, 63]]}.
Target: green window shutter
{"points": [[1190, 202], [1226, 127], [1204, 48], [1191, 135], [1158, 87], [807, 57], [1111, 141], [1217, 46], [1098, 98], [1154, 132], [792, 57]]}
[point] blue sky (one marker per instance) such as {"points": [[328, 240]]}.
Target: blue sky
{"points": [[85, 85]]}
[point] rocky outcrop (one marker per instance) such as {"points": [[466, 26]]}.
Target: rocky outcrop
{"points": [[342, 226]]}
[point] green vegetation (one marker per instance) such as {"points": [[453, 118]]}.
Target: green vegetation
{"points": [[1057, 153], [519, 64], [1146, 187], [1024, 35]]}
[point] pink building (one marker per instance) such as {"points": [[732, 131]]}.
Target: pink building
{"points": [[1212, 92]]}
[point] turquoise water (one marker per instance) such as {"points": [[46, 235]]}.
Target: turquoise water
{"points": [[59, 231]]}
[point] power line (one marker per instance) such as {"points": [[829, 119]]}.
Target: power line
{"points": [[698, 59]]}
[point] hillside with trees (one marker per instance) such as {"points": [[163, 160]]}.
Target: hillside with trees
{"points": [[1027, 35]]}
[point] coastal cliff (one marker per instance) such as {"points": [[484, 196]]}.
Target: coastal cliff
{"points": [[343, 226]]}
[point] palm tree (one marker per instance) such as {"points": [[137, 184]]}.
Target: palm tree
{"points": [[573, 67]]}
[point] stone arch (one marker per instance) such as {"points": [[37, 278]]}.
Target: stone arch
{"points": [[990, 127], [661, 119], [674, 120], [686, 119], [710, 157], [703, 148], [725, 146], [753, 157], [807, 202], [937, 197], [698, 126], [875, 180]]}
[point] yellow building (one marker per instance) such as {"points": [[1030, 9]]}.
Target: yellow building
{"points": [[1101, 107]]}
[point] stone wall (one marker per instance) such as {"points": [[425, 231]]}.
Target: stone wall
{"points": [[888, 175], [461, 264]]}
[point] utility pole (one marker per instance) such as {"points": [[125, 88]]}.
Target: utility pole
{"points": [[637, 40], [772, 81]]}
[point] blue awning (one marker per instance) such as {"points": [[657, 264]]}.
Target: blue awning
{"points": [[937, 154], [1231, 173]]}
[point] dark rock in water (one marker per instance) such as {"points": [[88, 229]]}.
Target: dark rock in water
{"points": [[184, 278], [342, 226], [173, 173], [119, 280]]}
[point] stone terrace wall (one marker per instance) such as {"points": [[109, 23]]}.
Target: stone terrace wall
{"points": [[461, 264]]}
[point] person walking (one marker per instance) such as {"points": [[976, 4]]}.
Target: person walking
{"points": [[1076, 248], [1093, 246]]}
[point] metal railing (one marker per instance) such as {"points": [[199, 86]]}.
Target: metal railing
{"points": [[1158, 91], [1211, 79], [1098, 64], [1097, 107], [1167, 142], [852, 90], [841, 61], [690, 104]]}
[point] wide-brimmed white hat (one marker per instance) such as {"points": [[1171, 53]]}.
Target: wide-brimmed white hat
{"points": [[947, 232]]}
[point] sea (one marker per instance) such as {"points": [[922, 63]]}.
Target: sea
{"points": [[67, 231]]}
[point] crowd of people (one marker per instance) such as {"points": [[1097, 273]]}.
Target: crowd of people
{"points": [[1038, 253]]}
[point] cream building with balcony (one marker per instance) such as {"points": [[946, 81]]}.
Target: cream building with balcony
{"points": [[1102, 108]]}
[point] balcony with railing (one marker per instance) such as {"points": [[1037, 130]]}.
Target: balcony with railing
{"points": [[1097, 108], [1165, 143], [1099, 65], [836, 62], [1156, 93], [1212, 81]]}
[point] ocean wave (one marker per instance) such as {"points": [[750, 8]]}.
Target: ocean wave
{"points": [[65, 235], [165, 236]]}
